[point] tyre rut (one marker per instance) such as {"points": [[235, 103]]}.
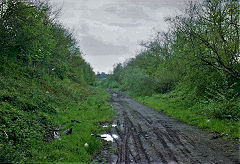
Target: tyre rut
{"points": [[147, 136]]}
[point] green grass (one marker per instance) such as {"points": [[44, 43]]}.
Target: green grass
{"points": [[71, 147], [193, 115], [30, 106]]}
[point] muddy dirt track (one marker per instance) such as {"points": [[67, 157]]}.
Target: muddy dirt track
{"points": [[148, 136]]}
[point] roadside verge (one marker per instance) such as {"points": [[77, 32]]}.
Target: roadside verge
{"points": [[221, 128]]}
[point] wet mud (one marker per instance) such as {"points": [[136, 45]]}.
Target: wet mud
{"points": [[148, 136]]}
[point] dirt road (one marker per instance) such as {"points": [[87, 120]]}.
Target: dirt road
{"points": [[148, 136]]}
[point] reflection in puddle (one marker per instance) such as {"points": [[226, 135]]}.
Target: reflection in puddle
{"points": [[108, 137], [115, 136], [114, 125]]}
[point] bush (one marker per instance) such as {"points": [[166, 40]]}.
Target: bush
{"points": [[137, 82], [224, 110]]}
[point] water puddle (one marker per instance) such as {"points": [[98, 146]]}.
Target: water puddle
{"points": [[56, 135], [108, 137], [113, 125], [115, 136]]}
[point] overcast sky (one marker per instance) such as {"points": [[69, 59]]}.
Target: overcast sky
{"points": [[109, 31]]}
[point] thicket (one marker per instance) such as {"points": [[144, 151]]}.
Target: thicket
{"points": [[42, 72], [197, 61], [31, 35]]}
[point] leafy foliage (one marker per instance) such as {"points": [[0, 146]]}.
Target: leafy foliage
{"points": [[197, 60], [31, 37], [42, 77]]}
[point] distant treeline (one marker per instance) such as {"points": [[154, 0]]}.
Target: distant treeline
{"points": [[101, 76], [198, 59]]}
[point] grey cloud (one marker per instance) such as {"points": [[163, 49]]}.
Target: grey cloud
{"points": [[156, 4], [84, 29], [124, 10], [111, 10], [95, 47], [109, 29], [125, 24], [133, 12]]}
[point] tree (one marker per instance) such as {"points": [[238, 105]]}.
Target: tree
{"points": [[25, 32], [212, 29]]}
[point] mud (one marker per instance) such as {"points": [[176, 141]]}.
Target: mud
{"points": [[148, 136]]}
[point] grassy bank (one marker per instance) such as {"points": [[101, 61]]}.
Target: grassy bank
{"points": [[45, 82], [31, 105], [197, 115], [71, 148]]}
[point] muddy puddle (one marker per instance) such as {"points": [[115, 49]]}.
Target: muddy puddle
{"points": [[107, 126], [109, 137]]}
